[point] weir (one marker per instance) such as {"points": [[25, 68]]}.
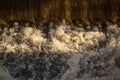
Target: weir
{"points": [[35, 10], [59, 40]]}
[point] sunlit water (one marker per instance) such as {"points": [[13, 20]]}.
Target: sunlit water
{"points": [[66, 54]]}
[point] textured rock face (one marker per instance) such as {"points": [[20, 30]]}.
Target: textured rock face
{"points": [[34, 10]]}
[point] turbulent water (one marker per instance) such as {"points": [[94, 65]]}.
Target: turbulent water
{"points": [[61, 54]]}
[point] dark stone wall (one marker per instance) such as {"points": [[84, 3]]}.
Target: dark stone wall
{"points": [[35, 10]]}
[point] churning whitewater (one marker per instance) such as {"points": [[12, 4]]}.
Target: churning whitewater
{"points": [[60, 51]]}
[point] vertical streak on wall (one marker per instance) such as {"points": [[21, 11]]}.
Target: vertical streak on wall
{"points": [[31, 10], [54, 9], [67, 9], [11, 17], [58, 9], [100, 14], [51, 8], [90, 12], [83, 8], [114, 15], [118, 8], [107, 9], [44, 11], [76, 9], [62, 9], [93, 7]]}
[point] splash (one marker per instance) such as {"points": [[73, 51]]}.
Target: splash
{"points": [[63, 40], [66, 54]]}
